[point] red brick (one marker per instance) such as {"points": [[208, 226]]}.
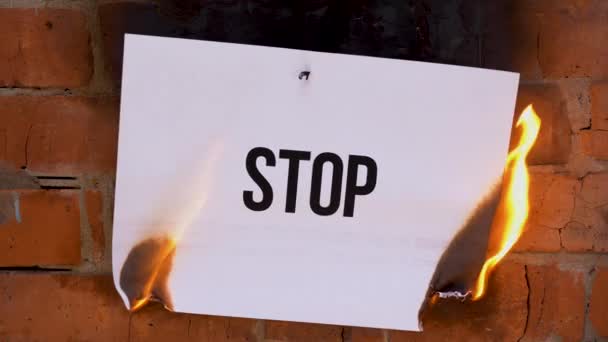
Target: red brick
{"points": [[154, 323], [42, 228], [294, 332], [44, 48], [59, 135], [573, 40], [594, 144], [599, 106], [94, 205], [498, 316], [595, 189], [590, 216], [553, 143], [557, 304], [598, 307], [60, 307], [539, 185], [580, 165], [536, 238], [576, 103], [575, 237], [552, 199], [367, 335]]}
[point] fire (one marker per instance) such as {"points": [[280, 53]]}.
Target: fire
{"points": [[159, 261], [160, 251], [139, 304], [148, 265], [514, 204]]}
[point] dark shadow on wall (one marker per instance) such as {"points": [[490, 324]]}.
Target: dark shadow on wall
{"points": [[445, 31]]}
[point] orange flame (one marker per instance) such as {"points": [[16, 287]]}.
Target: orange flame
{"points": [[514, 203], [194, 201], [167, 248], [139, 304]]}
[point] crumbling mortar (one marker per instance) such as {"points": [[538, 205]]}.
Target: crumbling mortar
{"points": [[601, 260], [386, 335], [105, 185], [70, 4], [589, 332], [86, 237], [552, 169], [536, 81], [38, 91], [567, 261], [260, 330], [576, 103], [35, 269], [572, 160]]}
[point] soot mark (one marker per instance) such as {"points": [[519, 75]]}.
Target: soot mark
{"points": [[145, 273], [460, 264]]}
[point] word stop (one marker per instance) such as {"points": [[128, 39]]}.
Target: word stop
{"points": [[295, 157]]}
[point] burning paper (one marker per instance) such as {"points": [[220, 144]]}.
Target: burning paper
{"points": [[512, 211], [462, 272], [244, 189]]}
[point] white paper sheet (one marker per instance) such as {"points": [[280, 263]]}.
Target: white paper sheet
{"points": [[192, 110]]}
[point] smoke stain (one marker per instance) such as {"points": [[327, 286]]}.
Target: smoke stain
{"points": [[145, 274], [459, 266]]}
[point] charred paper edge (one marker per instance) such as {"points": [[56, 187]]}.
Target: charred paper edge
{"points": [[145, 273], [459, 265], [454, 294]]}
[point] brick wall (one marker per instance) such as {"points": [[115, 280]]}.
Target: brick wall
{"points": [[59, 94]]}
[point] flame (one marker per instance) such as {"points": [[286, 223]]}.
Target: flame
{"points": [[167, 248], [514, 204], [190, 208], [139, 304]]}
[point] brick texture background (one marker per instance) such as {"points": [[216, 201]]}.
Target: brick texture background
{"points": [[60, 67]]}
